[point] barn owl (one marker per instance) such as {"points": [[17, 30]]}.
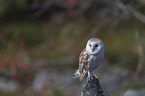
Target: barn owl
{"points": [[90, 58]]}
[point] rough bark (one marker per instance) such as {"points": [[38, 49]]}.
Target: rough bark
{"points": [[93, 88]]}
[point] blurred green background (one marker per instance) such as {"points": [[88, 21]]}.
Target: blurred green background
{"points": [[40, 42]]}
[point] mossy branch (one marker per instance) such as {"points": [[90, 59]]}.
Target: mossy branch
{"points": [[92, 88]]}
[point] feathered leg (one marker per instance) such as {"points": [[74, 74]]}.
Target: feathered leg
{"points": [[95, 75], [89, 76]]}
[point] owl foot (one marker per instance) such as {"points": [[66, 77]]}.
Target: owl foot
{"points": [[89, 76]]}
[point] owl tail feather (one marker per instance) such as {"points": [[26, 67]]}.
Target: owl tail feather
{"points": [[76, 74]]}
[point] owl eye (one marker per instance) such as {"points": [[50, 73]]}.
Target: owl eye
{"points": [[90, 45], [96, 45]]}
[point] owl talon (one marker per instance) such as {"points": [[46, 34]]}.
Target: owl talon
{"points": [[97, 77], [88, 78]]}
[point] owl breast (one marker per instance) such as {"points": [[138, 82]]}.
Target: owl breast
{"points": [[95, 61]]}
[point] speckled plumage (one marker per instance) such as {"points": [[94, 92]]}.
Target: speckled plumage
{"points": [[90, 58]]}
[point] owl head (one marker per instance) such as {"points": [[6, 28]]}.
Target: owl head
{"points": [[94, 46]]}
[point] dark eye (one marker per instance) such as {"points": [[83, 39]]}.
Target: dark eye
{"points": [[96, 45], [90, 45]]}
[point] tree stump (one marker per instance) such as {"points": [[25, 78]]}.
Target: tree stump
{"points": [[92, 88]]}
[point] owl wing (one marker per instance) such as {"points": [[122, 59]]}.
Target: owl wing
{"points": [[84, 60]]}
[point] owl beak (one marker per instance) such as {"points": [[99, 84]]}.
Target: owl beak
{"points": [[93, 49]]}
